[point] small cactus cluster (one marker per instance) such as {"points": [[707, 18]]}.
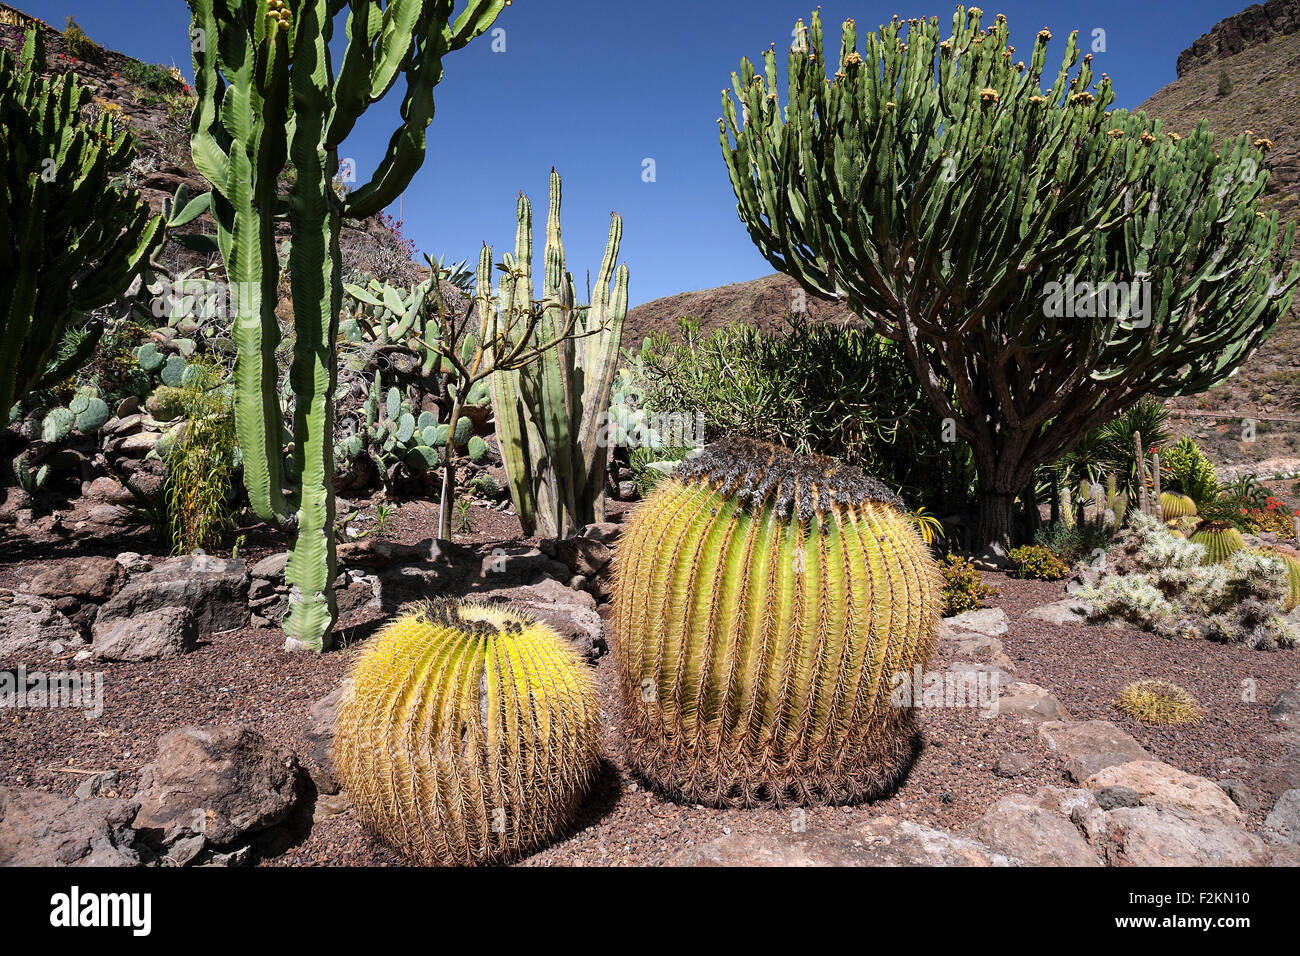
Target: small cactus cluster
{"points": [[1158, 703], [392, 428], [765, 606], [469, 734]]}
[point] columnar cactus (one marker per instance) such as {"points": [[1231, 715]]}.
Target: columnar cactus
{"points": [[551, 416], [69, 241], [766, 605], [469, 734], [267, 95]]}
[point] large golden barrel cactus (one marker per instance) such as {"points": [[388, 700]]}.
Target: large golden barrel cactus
{"points": [[469, 734], [763, 604]]}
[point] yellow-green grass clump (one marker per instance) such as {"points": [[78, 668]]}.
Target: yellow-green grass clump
{"points": [[469, 734], [765, 604], [1159, 703], [1221, 541]]}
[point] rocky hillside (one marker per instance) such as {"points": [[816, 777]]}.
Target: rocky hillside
{"points": [[1258, 51], [155, 102]]}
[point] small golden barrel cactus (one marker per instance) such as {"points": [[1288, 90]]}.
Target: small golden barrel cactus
{"points": [[1174, 506], [469, 734], [1159, 703], [765, 605], [1221, 541]]}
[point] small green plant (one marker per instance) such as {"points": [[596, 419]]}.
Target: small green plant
{"points": [[1038, 563], [151, 76], [1189, 472], [383, 517], [1159, 703], [1074, 542], [963, 586], [464, 517], [201, 461], [237, 547], [1225, 84], [78, 44]]}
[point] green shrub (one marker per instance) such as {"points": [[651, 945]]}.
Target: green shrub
{"points": [[149, 75], [201, 461], [1188, 471], [1036, 562], [1076, 542], [80, 45], [833, 390], [963, 586]]}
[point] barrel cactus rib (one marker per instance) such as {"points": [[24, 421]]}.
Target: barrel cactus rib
{"points": [[765, 605]]}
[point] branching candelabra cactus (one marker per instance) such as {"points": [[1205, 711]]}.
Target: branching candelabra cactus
{"points": [[551, 416], [952, 195], [69, 241], [268, 96]]}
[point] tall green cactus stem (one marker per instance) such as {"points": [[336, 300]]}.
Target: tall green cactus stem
{"points": [[551, 416], [268, 92], [69, 241], [952, 195]]}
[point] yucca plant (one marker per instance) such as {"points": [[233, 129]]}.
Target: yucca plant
{"points": [[764, 605], [469, 734]]}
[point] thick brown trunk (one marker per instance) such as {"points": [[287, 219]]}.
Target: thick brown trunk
{"points": [[997, 521]]}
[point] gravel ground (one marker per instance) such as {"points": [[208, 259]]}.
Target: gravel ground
{"points": [[245, 677]]}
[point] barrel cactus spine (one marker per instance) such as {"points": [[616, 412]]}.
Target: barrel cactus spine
{"points": [[764, 605], [267, 92], [469, 734]]}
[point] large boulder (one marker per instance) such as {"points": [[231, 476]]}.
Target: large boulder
{"points": [[165, 632], [882, 841], [1282, 825], [214, 589], [1039, 835], [322, 719], [47, 829], [1159, 785], [1090, 746], [87, 579], [214, 787], [33, 626], [1151, 836]]}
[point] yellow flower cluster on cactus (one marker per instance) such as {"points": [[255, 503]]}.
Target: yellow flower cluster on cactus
{"points": [[469, 734], [764, 603]]}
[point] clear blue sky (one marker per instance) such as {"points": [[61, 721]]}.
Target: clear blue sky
{"points": [[595, 87]]}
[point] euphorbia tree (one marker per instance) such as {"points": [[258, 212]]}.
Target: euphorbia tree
{"points": [[269, 95], [935, 187]]}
